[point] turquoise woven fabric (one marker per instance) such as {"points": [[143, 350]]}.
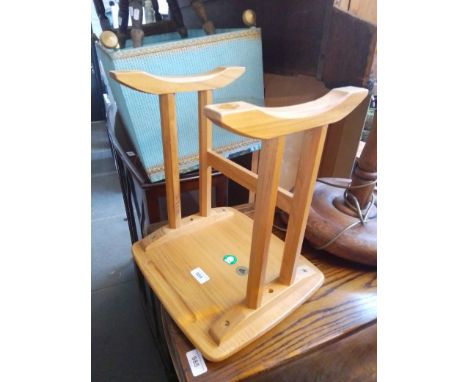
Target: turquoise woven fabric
{"points": [[168, 55]]}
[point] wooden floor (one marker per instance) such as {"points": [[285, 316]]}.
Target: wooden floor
{"points": [[211, 313]]}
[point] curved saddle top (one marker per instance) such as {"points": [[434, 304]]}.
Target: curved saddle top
{"points": [[149, 83], [270, 122]]}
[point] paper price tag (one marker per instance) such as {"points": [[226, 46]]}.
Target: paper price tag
{"points": [[130, 11], [199, 275], [196, 362], [136, 13]]}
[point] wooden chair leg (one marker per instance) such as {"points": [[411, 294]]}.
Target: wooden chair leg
{"points": [[152, 205]]}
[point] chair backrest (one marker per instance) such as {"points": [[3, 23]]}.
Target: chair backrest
{"points": [[270, 125]]}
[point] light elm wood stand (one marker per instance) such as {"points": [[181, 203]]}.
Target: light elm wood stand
{"points": [[220, 309]]}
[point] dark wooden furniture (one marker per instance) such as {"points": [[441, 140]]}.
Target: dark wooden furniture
{"points": [[331, 337], [302, 37], [98, 110], [317, 39]]}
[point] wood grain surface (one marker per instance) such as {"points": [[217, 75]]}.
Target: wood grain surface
{"points": [[309, 162], [171, 168], [149, 83], [343, 307], [212, 313], [205, 97], [268, 177], [351, 359], [271, 122], [246, 178]]}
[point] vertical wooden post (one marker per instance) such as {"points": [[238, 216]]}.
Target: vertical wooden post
{"points": [[171, 161], [267, 188], [254, 168], [205, 97], [309, 162], [365, 170]]}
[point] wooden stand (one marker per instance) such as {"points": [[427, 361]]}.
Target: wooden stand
{"points": [[224, 278]]}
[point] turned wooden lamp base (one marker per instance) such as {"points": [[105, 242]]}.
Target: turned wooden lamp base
{"points": [[329, 215]]}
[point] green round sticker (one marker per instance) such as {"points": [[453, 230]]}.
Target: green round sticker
{"points": [[230, 259]]}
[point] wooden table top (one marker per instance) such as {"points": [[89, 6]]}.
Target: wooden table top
{"points": [[345, 304]]}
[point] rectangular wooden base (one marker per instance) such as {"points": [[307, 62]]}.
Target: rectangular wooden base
{"points": [[199, 273]]}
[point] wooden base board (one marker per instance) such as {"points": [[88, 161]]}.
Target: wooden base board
{"points": [[211, 314]]}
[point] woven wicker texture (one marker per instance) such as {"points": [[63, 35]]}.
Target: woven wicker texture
{"points": [[169, 55]]}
